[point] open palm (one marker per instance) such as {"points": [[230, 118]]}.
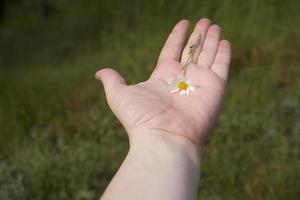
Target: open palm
{"points": [[149, 106]]}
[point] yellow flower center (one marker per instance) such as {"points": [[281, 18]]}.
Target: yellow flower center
{"points": [[182, 85]]}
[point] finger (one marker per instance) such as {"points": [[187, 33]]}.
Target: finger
{"points": [[198, 32], [112, 81], [173, 45], [210, 46], [222, 61]]}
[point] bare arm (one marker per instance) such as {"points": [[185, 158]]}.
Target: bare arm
{"points": [[157, 167]]}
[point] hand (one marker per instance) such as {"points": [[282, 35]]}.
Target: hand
{"points": [[149, 107]]}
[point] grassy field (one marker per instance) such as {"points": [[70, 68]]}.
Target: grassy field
{"points": [[58, 139]]}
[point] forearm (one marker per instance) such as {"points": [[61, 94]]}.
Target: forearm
{"points": [[158, 166]]}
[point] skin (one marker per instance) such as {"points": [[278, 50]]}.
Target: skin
{"points": [[167, 131]]}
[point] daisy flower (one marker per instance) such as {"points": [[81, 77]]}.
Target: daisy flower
{"points": [[181, 85]]}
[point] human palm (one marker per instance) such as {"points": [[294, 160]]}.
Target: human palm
{"points": [[149, 106]]}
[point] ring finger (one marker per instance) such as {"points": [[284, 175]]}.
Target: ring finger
{"points": [[210, 47]]}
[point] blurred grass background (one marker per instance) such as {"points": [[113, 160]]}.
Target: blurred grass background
{"points": [[58, 139]]}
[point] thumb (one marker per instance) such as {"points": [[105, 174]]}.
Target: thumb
{"points": [[112, 80]]}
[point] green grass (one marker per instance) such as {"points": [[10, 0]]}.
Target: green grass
{"points": [[60, 141]]}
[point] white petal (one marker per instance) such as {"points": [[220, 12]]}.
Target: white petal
{"points": [[187, 92], [173, 83], [179, 77], [172, 86], [175, 80], [192, 88], [188, 81], [174, 90], [184, 79], [182, 92]]}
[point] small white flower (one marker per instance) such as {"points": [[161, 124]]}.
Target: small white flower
{"points": [[181, 85]]}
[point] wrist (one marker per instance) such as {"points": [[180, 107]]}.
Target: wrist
{"points": [[165, 144], [158, 165]]}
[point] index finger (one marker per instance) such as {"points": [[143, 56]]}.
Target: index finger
{"points": [[173, 45]]}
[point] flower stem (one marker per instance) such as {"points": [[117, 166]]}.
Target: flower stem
{"points": [[192, 51]]}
